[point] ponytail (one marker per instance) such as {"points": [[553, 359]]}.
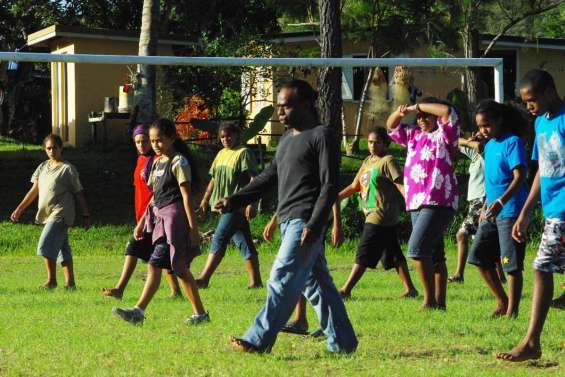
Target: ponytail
{"points": [[507, 117]]}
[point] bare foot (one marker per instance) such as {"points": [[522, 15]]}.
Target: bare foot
{"points": [[410, 294], [521, 352], [175, 295], [255, 286], [426, 306], [48, 285], [70, 287], [500, 310], [201, 283], [113, 292]]}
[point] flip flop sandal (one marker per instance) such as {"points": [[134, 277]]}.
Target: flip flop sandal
{"points": [[294, 328], [455, 279], [318, 333]]}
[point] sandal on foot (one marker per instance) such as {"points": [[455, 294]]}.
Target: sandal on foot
{"points": [[295, 328], [318, 333], [455, 279], [112, 292], [558, 303], [241, 345]]}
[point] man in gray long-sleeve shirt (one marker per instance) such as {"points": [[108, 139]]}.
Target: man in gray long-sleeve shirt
{"points": [[305, 166]]}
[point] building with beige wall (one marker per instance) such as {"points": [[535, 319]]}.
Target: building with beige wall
{"points": [[519, 56], [78, 89]]}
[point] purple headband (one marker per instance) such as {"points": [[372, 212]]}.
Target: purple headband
{"points": [[139, 130]]}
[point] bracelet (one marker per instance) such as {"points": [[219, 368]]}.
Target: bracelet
{"points": [[499, 201], [418, 107]]}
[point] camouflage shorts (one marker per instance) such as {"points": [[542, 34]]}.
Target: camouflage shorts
{"points": [[551, 252], [471, 221]]}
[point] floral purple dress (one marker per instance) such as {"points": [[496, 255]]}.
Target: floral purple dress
{"points": [[429, 174]]}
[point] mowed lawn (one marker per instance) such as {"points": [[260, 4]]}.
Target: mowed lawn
{"points": [[63, 333]]}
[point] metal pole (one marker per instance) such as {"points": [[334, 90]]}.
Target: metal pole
{"points": [[499, 83], [232, 62]]}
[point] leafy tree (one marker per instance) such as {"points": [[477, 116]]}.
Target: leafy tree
{"points": [[471, 17]]}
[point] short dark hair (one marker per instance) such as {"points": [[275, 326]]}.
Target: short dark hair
{"points": [[381, 133], [55, 139], [303, 90], [538, 80], [305, 93], [230, 127]]}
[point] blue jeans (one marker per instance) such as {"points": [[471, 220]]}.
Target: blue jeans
{"points": [[301, 269], [426, 239], [54, 242], [233, 225]]}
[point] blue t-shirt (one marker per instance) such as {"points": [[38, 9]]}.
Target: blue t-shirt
{"points": [[549, 151], [503, 155]]}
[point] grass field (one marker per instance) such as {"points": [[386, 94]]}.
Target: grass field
{"points": [[64, 333]]}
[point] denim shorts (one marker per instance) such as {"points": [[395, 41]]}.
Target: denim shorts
{"points": [[54, 242], [494, 242], [234, 226], [551, 252], [379, 243], [426, 239]]}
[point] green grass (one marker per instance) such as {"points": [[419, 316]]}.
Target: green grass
{"points": [[73, 333]]}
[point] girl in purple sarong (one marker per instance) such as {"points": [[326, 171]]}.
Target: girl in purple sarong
{"points": [[170, 218]]}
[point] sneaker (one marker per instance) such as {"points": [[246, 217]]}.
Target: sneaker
{"points": [[132, 315], [197, 319]]}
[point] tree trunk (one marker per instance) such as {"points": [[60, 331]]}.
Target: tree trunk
{"points": [[330, 101], [360, 110], [145, 86], [471, 49]]}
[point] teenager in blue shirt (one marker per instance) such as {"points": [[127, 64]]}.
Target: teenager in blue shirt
{"points": [[538, 91], [506, 191]]}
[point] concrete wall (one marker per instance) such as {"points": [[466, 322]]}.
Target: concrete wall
{"points": [[88, 84], [551, 60]]}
